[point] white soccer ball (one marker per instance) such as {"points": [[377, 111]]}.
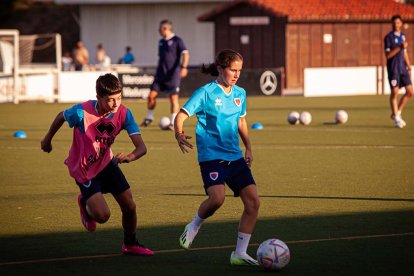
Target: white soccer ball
{"points": [[341, 117], [305, 118], [293, 118], [273, 254], [164, 123]]}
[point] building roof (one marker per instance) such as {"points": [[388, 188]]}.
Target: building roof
{"points": [[323, 10], [98, 2]]}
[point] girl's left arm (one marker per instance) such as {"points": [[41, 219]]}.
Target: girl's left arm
{"points": [[244, 134]]}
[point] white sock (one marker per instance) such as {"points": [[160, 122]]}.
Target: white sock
{"points": [[243, 240], [150, 114], [197, 221], [173, 115]]}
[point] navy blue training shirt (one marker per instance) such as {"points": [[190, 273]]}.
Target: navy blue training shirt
{"points": [[395, 65], [169, 53]]}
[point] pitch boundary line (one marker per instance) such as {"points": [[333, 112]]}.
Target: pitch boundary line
{"points": [[204, 248], [258, 146]]}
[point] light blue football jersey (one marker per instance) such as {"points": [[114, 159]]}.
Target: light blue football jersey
{"points": [[218, 114]]}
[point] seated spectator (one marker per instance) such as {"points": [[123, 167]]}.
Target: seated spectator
{"points": [[128, 58], [67, 62]]}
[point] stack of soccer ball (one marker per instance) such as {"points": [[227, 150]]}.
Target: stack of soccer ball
{"points": [[294, 118], [305, 118], [273, 254]]}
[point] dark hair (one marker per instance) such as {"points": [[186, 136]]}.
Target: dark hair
{"points": [[166, 21], [223, 59], [99, 46], [128, 48], [396, 16], [107, 85]]}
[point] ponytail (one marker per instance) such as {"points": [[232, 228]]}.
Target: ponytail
{"points": [[223, 59], [210, 69]]}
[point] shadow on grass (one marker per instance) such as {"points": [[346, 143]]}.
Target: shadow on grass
{"points": [[387, 255], [317, 197]]}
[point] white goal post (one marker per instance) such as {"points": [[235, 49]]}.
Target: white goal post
{"points": [[29, 66]]}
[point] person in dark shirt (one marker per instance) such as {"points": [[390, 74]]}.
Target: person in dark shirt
{"points": [[173, 58], [398, 69]]}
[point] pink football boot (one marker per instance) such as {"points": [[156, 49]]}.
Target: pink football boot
{"points": [[136, 249], [87, 221]]}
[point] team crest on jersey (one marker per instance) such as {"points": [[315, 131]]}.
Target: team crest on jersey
{"points": [[214, 175], [219, 102], [237, 101], [170, 42], [393, 83]]}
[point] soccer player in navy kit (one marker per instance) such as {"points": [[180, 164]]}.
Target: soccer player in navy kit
{"points": [[172, 66], [398, 68], [220, 107]]}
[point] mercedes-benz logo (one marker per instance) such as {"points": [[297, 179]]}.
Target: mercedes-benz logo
{"points": [[268, 83]]}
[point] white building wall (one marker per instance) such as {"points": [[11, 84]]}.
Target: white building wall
{"points": [[117, 26]]}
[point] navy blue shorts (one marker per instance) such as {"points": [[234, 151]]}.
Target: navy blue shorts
{"points": [[399, 80], [109, 180], [236, 174], [160, 86]]}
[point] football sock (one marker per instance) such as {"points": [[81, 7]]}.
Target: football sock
{"points": [[150, 114], [243, 240], [197, 221], [173, 115], [83, 203], [129, 239]]}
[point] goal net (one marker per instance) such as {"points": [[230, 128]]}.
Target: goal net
{"points": [[28, 66]]}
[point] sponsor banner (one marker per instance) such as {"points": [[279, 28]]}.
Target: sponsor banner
{"points": [[136, 85], [267, 82]]}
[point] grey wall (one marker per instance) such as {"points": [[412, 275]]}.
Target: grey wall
{"points": [[137, 25]]}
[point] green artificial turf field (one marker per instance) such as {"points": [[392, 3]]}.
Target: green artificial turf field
{"points": [[340, 196]]}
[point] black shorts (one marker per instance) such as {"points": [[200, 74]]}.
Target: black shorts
{"points": [[109, 180], [399, 80], [160, 86], [236, 174]]}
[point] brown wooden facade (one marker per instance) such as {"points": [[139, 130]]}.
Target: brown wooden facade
{"points": [[296, 45], [353, 44], [266, 47]]}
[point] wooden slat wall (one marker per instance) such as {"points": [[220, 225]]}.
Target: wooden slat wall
{"points": [[266, 48], [354, 44]]}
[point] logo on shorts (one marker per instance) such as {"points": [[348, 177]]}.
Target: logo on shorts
{"points": [[237, 101], [87, 184], [393, 83], [218, 102], [214, 176]]}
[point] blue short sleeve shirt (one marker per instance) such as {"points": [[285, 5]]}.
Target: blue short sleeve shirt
{"points": [[74, 117], [395, 65], [218, 115], [169, 53]]}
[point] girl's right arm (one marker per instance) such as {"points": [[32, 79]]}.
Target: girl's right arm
{"points": [[182, 139], [46, 143]]}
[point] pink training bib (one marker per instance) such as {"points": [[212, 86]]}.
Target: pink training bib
{"points": [[91, 151]]}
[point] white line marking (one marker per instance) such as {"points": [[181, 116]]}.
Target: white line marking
{"points": [[204, 248], [258, 146]]}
